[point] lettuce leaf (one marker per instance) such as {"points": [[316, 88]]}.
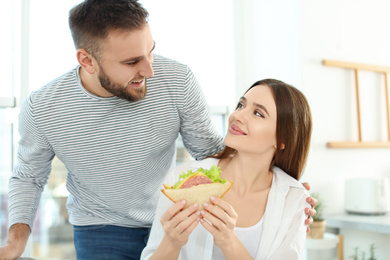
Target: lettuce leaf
{"points": [[213, 174]]}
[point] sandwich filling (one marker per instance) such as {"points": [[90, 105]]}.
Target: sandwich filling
{"points": [[196, 179], [201, 176]]}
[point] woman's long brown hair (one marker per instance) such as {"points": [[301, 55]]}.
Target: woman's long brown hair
{"points": [[293, 128]]}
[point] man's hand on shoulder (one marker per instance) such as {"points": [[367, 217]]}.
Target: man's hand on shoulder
{"points": [[311, 212]]}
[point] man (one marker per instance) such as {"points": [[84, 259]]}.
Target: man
{"points": [[113, 121]]}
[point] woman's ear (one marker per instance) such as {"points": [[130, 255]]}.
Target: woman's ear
{"points": [[282, 146], [86, 60]]}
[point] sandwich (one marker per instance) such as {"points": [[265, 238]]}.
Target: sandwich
{"points": [[198, 186]]}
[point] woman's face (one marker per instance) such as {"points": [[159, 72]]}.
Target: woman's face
{"points": [[252, 126]]}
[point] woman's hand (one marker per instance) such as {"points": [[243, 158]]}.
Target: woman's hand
{"points": [[219, 218], [178, 223], [310, 211]]}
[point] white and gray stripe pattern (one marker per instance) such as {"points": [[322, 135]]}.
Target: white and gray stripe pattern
{"points": [[117, 153]]}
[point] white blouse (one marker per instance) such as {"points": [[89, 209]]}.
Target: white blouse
{"points": [[249, 237], [283, 233]]}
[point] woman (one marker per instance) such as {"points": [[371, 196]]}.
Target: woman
{"points": [[262, 216]]}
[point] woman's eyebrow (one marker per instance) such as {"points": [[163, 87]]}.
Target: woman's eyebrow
{"points": [[261, 107]]}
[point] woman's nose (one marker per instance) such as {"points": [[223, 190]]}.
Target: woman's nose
{"points": [[240, 115]]}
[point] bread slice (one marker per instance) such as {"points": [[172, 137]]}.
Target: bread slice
{"points": [[200, 193]]}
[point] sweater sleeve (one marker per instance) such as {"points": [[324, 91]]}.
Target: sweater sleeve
{"points": [[32, 169], [199, 134]]}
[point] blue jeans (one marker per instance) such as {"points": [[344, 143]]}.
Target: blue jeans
{"points": [[99, 242]]}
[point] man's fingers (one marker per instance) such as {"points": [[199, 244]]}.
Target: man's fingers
{"points": [[308, 221], [306, 185], [311, 212], [312, 201]]}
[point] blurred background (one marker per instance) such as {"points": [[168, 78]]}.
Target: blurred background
{"points": [[229, 45]]}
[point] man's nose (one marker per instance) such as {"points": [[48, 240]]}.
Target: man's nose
{"points": [[146, 68]]}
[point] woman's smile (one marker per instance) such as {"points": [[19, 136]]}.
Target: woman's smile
{"points": [[235, 130]]}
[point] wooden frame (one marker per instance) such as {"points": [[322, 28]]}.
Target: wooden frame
{"points": [[356, 67]]}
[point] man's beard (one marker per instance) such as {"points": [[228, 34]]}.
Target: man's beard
{"points": [[120, 91]]}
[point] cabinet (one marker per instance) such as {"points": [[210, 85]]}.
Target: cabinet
{"points": [[328, 248], [362, 231]]}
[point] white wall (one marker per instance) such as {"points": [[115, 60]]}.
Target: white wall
{"points": [[267, 42], [354, 31], [51, 49]]}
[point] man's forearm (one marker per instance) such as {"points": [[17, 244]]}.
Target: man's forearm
{"points": [[18, 234], [17, 240]]}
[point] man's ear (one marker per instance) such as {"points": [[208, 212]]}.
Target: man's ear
{"points": [[86, 60]]}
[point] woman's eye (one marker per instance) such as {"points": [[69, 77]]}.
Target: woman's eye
{"points": [[239, 106], [257, 113]]}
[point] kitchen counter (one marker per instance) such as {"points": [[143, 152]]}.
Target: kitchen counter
{"points": [[377, 224]]}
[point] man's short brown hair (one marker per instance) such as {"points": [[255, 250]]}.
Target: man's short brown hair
{"points": [[92, 20]]}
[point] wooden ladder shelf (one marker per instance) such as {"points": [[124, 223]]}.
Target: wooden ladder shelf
{"points": [[356, 67]]}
